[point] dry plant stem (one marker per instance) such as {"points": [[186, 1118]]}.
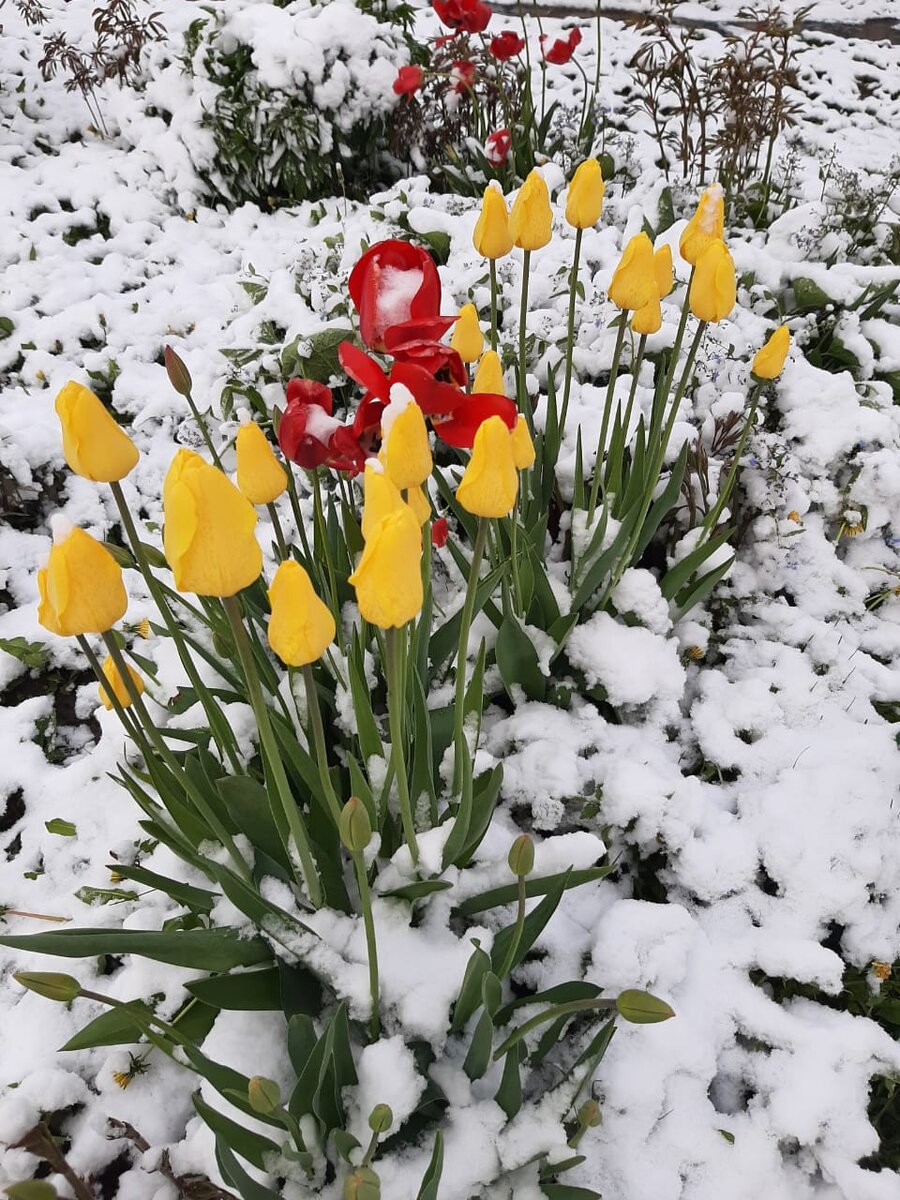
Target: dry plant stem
{"points": [[463, 651], [607, 410], [524, 401], [17, 912], [318, 740], [393, 647], [275, 771], [279, 532], [570, 342], [218, 727], [517, 931], [712, 517], [207, 437], [493, 268], [40, 1142], [365, 902]]}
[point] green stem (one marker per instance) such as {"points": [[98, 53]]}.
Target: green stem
{"points": [[463, 652], [712, 517], [614, 479], [394, 670], [203, 429], [311, 565], [131, 727], [514, 562], [663, 394], [524, 400], [279, 532], [319, 515], [365, 900], [493, 268], [318, 739], [607, 409], [517, 931], [271, 757], [570, 341]]}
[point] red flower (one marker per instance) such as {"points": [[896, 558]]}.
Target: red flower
{"points": [[562, 49], [409, 80], [507, 45], [463, 72], [471, 16], [393, 283], [459, 427], [439, 533], [497, 147], [310, 436]]}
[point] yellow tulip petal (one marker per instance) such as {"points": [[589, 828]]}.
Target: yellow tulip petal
{"points": [[117, 684], [81, 588], [522, 445], [634, 281], [489, 376], [706, 226], [584, 202], [491, 237], [260, 475], [531, 218], [769, 360], [713, 287], [467, 339], [407, 452], [388, 579], [490, 483], [301, 627], [94, 444]]}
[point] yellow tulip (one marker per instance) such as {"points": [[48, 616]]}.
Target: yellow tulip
{"points": [[634, 281], [490, 483], [648, 319], [467, 340], [489, 376], [388, 578], [584, 202], [662, 269], [301, 627], [420, 504], [260, 475], [95, 446], [407, 454], [381, 496], [115, 682], [531, 218], [707, 225], [492, 238], [81, 587], [713, 288], [208, 534], [522, 445], [768, 362]]}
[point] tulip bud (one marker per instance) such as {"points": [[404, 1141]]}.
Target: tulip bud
{"points": [[713, 287], [407, 453], [301, 627], [768, 363], [707, 225], [179, 375], [354, 827], [584, 202], [381, 1118], [589, 1114], [115, 682], [362, 1184], [531, 218], [648, 319], [467, 340], [381, 496], [521, 856], [263, 1095], [208, 533], [492, 238], [388, 578], [440, 531], [94, 444], [50, 985], [662, 269], [490, 483], [634, 281], [489, 376], [260, 475], [522, 445], [81, 588], [641, 1008]]}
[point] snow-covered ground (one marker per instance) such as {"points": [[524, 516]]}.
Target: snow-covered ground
{"points": [[749, 771]]}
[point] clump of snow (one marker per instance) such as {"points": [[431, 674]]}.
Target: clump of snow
{"points": [[632, 665]]}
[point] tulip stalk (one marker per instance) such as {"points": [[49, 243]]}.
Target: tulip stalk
{"points": [[275, 772], [712, 517], [463, 651], [524, 401], [510, 956], [318, 740], [279, 532], [570, 341], [607, 410], [393, 653], [673, 361], [365, 903], [613, 479], [493, 269], [207, 436], [322, 529]]}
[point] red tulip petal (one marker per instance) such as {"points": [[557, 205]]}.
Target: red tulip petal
{"points": [[363, 369], [459, 429]]}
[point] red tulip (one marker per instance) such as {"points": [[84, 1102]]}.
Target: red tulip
{"points": [[439, 533], [471, 16], [408, 81], [507, 45], [463, 72], [497, 147], [562, 49], [310, 436], [394, 282], [459, 427]]}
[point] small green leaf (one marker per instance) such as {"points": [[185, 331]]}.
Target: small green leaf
{"points": [[60, 827], [203, 949], [30, 1189], [117, 1027], [517, 661], [432, 1178], [93, 896], [34, 655]]}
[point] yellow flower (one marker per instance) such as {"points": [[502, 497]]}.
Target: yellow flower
{"points": [[531, 218], [584, 202], [467, 340], [522, 445], [420, 504], [260, 475], [489, 376], [647, 319], [208, 534], [490, 483], [81, 587], [301, 627], [388, 578], [492, 238], [769, 360], [713, 288], [95, 446], [407, 454], [381, 496], [634, 281], [707, 225], [115, 681], [662, 269]]}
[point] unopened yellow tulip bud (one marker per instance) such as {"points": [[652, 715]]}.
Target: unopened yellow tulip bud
{"points": [[531, 218], [208, 534], [492, 238], [522, 445], [301, 627], [707, 225], [489, 376], [81, 587], [648, 319], [406, 452], [634, 281], [95, 446], [381, 496], [490, 483], [662, 269], [770, 358], [713, 288], [467, 339], [584, 203], [418, 501], [116, 683], [388, 579], [260, 475]]}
